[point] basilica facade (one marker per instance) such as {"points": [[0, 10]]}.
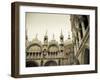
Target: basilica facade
{"points": [[73, 51], [49, 53]]}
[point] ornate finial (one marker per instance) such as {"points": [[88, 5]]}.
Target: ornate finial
{"points": [[61, 36], [46, 37]]}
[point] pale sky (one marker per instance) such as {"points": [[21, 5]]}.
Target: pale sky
{"points": [[40, 23]]}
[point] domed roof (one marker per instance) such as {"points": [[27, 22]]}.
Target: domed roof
{"points": [[35, 45], [67, 42], [36, 41], [53, 46], [53, 49], [53, 42], [34, 48]]}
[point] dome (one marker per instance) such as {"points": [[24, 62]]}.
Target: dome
{"points": [[53, 42], [53, 49], [53, 46], [34, 48], [67, 42], [36, 41]]}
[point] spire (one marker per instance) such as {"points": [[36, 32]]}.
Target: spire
{"points": [[46, 32], [53, 36], [46, 37], [68, 36], [36, 37], [61, 32], [61, 36]]}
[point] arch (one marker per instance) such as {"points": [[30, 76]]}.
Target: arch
{"points": [[33, 45], [53, 48], [53, 45], [31, 64], [50, 63]]}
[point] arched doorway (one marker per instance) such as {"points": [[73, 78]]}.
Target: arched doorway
{"points": [[51, 63], [31, 64]]}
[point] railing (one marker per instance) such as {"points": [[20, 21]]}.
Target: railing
{"points": [[38, 55]]}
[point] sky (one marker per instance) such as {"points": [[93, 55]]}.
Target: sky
{"points": [[41, 23]]}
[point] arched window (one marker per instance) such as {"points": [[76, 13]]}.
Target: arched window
{"points": [[33, 54], [30, 53], [39, 53]]}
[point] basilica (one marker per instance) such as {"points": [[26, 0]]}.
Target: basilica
{"points": [[49, 53], [73, 51]]}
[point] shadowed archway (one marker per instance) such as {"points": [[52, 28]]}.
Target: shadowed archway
{"points": [[31, 64], [51, 63]]}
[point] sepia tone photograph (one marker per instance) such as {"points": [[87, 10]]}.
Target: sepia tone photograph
{"points": [[56, 39], [53, 39]]}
